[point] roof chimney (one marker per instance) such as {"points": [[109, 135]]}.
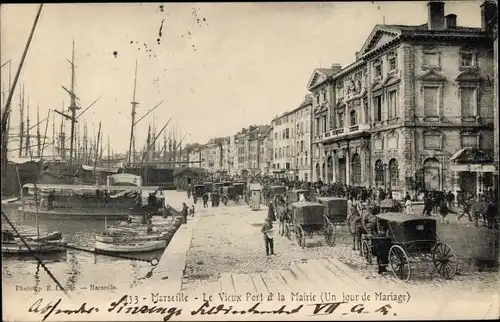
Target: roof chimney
{"points": [[435, 19], [450, 21], [336, 68], [488, 15]]}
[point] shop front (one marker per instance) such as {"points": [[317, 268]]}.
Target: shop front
{"points": [[472, 170]]}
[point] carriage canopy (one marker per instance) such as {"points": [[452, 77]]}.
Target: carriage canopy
{"points": [[408, 229], [229, 191], [307, 213], [199, 190], [293, 195], [277, 190], [335, 208]]}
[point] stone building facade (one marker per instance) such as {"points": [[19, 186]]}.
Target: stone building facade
{"points": [[302, 134], [414, 97], [322, 89]]}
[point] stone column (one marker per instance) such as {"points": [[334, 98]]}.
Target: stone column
{"points": [[479, 181], [455, 183], [334, 166], [347, 155]]}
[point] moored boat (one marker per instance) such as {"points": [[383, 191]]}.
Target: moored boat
{"points": [[123, 238], [51, 243], [115, 200], [130, 246]]}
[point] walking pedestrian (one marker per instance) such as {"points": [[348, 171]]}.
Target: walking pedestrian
{"points": [[184, 212], [268, 234], [443, 210], [408, 207]]}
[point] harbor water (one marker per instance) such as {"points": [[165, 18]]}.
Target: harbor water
{"points": [[76, 269]]}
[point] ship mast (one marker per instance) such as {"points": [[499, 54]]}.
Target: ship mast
{"points": [[72, 108], [28, 138], [38, 138], [21, 118], [109, 154], [53, 134], [97, 149], [131, 147]]}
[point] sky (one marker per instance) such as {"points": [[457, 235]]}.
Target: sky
{"points": [[217, 67]]}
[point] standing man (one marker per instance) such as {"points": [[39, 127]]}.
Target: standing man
{"points": [[268, 234], [185, 210]]}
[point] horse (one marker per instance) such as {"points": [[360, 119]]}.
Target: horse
{"points": [[361, 224]]}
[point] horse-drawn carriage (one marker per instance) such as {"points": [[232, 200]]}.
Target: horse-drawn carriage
{"points": [[306, 218], [240, 189], [335, 214], [208, 186], [217, 188], [390, 205], [408, 237], [229, 193], [198, 191]]}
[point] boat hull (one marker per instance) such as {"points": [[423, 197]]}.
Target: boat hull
{"points": [[130, 247], [18, 248], [75, 213], [130, 238]]}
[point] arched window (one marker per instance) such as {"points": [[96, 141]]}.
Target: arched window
{"points": [[356, 169], [379, 173], [393, 172]]}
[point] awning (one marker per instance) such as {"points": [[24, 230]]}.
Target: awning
{"points": [[473, 167], [471, 156]]}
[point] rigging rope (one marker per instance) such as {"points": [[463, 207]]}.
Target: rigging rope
{"points": [[35, 256]]}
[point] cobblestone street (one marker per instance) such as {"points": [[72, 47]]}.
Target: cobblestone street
{"points": [[227, 240]]}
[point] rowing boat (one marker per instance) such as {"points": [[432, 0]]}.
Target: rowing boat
{"points": [[130, 246]]}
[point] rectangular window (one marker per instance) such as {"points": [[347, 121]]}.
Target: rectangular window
{"points": [[393, 105], [468, 141], [466, 60], [354, 118], [317, 126], [392, 64], [467, 101], [377, 108], [340, 120], [431, 60], [431, 101], [324, 97], [317, 99], [378, 70], [301, 146], [324, 123]]}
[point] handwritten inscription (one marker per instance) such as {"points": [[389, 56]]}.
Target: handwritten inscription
{"points": [[47, 309], [124, 305]]}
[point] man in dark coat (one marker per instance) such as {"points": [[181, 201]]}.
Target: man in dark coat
{"points": [[266, 230]]}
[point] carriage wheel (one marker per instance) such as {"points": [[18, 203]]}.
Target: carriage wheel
{"points": [[330, 234], [288, 231], [444, 260], [366, 252], [400, 263], [301, 238]]}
